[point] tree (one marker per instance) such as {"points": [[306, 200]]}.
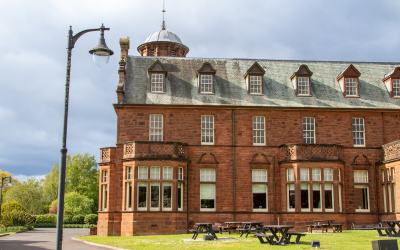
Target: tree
{"points": [[5, 182], [76, 204], [28, 194], [82, 177], [50, 185]]}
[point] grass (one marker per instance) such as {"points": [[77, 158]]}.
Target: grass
{"points": [[11, 230], [351, 240]]}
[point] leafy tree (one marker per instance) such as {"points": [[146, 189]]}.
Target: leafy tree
{"points": [[50, 185], [5, 182], [82, 177], [28, 194], [76, 204]]}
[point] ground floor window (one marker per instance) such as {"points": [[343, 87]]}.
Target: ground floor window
{"points": [[259, 197], [291, 197], [328, 197], [128, 198], [167, 195], [207, 196], [180, 196], [361, 194], [142, 195], [317, 197], [105, 197], [304, 197], [154, 196]]}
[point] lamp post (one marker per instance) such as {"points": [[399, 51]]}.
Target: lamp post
{"points": [[101, 54], [1, 196]]}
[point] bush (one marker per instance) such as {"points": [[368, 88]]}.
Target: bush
{"points": [[16, 218], [45, 225], [48, 218], [12, 205], [79, 219], [18, 228], [53, 210], [68, 219], [76, 203], [91, 219]]}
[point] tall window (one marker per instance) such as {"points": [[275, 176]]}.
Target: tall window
{"points": [[291, 198], [157, 82], [308, 130], [142, 174], [155, 195], [396, 88], [167, 195], [206, 82], [180, 174], [180, 196], [303, 86], [316, 194], [255, 85], [305, 196], [128, 189], [142, 196], [258, 130], [358, 132], [361, 192], [351, 87], [260, 196], [328, 187], [207, 129], [104, 188], [156, 127], [207, 190], [167, 173], [129, 173]]}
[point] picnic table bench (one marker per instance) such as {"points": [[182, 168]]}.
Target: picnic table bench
{"points": [[391, 231], [388, 231], [298, 236], [268, 237], [252, 227], [230, 225], [365, 226], [325, 225], [203, 228]]}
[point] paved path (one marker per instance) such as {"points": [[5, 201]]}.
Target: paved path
{"points": [[45, 238]]}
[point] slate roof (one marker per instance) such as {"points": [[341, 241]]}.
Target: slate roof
{"points": [[230, 85]]}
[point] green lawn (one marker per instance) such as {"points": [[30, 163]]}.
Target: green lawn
{"points": [[351, 240]]}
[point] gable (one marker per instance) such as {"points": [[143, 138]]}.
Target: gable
{"points": [[394, 74], [350, 71], [303, 70], [255, 69], [206, 68], [157, 66]]}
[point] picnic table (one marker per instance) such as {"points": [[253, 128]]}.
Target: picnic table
{"points": [[203, 228], [251, 227], [230, 225], [325, 224], [391, 231], [285, 237]]}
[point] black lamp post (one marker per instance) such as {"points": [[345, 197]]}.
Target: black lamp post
{"points": [[1, 196], [101, 54]]}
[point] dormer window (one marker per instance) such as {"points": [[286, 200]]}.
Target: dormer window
{"points": [[348, 81], [392, 83], [206, 75], [254, 79], [157, 73], [301, 80]]}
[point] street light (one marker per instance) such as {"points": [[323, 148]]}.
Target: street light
{"points": [[101, 54], [1, 196]]}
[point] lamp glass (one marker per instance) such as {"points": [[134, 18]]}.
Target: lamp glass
{"points": [[101, 58], [9, 180]]}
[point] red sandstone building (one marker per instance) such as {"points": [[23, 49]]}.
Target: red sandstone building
{"points": [[215, 140]]}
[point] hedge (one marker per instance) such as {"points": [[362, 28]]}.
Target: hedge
{"points": [[53, 225], [91, 219]]}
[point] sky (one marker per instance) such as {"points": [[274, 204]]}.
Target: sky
{"points": [[33, 57]]}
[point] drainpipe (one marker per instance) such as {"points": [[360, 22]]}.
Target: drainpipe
{"points": [[273, 171], [187, 195], [234, 165]]}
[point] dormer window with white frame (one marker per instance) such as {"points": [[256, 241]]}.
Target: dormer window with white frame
{"points": [[206, 79], [254, 79], [348, 81], [301, 81], [158, 75], [392, 83]]}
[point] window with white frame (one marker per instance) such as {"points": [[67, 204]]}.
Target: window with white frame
{"points": [[128, 198], [142, 173], [180, 196], [207, 129], [105, 176], [316, 174], [303, 86], [290, 174], [207, 190], [360, 176], [328, 189], [259, 175], [157, 83], [361, 195], [206, 84], [291, 197], [384, 198], [142, 196], [255, 84], [351, 87], [317, 198], [156, 127], [396, 88], [167, 195], [104, 190], [305, 196], [154, 172], [328, 176], [358, 132], [180, 174], [167, 173], [258, 130], [154, 195], [309, 130], [105, 197], [304, 174], [260, 197], [129, 173]]}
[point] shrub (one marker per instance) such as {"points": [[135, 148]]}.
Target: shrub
{"points": [[45, 225], [79, 219], [76, 203], [53, 209], [12, 205], [68, 219], [91, 219], [15, 218], [48, 218]]}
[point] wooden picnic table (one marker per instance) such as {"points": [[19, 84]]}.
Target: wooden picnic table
{"points": [[391, 231], [230, 225], [321, 222], [251, 227], [203, 228], [285, 235]]}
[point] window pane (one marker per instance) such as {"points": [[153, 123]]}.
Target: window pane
{"points": [[304, 195], [207, 174], [304, 174], [290, 174], [156, 127], [255, 85], [155, 173], [155, 194], [259, 130], [167, 173], [361, 197], [180, 197], [167, 195], [328, 196], [207, 195], [259, 175], [260, 196], [303, 86], [316, 196], [316, 174], [308, 130], [396, 88], [358, 132], [157, 82], [351, 87], [207, 129], [142, 194], [291, 196], [328, 174]]}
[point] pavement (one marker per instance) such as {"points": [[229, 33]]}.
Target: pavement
{"points": [[45, 238]]}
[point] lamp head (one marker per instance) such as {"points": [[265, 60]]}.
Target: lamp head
{"points": [[101, 53], [9, 180]]}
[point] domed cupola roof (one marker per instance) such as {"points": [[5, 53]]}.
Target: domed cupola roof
{"points": [[163, 36]]}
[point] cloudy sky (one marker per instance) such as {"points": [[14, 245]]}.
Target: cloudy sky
{"points": [[33, 57]]}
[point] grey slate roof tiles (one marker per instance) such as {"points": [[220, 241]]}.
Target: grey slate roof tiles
{"points": [[230, 85]]}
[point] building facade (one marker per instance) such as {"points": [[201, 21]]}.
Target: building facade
{"points": [[215, 140]]}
